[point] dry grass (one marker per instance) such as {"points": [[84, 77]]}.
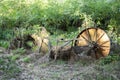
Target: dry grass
{"points": [[43, 68]]}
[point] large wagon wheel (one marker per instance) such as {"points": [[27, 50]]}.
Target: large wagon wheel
{"points": [[96, 39]]}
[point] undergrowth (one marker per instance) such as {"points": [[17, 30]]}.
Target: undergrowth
{"points": [[110, 59], [8, 68]]}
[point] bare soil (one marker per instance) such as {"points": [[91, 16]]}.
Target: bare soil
{"points": [[85, 68], [44, 69]]}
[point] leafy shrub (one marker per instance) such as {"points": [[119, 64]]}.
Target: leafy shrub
{"points": [[102, 11]]}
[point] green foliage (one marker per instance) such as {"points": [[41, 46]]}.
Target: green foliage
{"points": [[4, 44], [8, 68], [27, 59], [61, 14], [5, 34], [109, 59], [102, 11], [19, 51], [50, 13], [15, 57], [58, 14]]}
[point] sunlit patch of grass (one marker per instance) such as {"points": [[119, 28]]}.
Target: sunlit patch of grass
{"points": [[26, 59], [15, 57]]}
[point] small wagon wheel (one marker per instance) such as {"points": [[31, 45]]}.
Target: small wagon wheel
{"points": [[96, 39]]}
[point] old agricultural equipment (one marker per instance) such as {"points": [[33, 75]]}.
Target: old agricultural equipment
{"points": [[97, 41], [92, 42]]}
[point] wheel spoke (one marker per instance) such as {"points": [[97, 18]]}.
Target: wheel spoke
{"points": [[95, 34], [85, 39], [104, 49], [100, 37], [89, 36], [104, 46], [103, 43]]}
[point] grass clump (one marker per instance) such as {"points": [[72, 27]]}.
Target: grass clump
{"points": [[109, 59], [8, 68], [26, 59], [15, 57], [19, 51]]}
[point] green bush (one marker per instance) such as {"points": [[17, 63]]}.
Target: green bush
{"points": [[57, 14], [61, 14], [102, 11]]}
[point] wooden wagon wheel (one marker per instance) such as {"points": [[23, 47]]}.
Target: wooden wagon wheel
{"points": [[96, 39]]}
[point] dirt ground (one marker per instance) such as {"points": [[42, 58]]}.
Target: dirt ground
{"points": [[42, 68]]}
